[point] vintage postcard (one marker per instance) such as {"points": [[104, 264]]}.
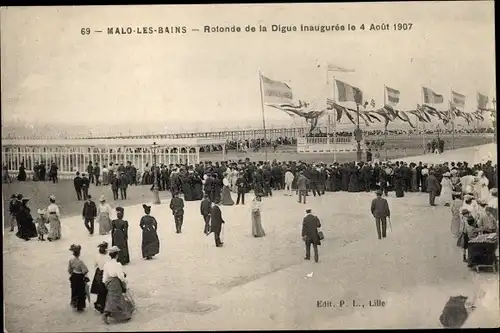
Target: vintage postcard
{"points": [[297, 166]]}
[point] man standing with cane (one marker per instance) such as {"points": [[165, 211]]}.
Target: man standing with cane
{"points": [[380, 210]]}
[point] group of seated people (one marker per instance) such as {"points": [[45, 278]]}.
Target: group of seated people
{"points": [[478, 233]]}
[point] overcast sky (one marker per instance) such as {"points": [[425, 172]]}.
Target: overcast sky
{"points": [[51, 73]]}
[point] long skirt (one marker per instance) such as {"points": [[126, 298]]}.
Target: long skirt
{"points": [[150, 243], [104, 223], [257, 230], [78, 294], [226, 197], [55, 227], [116, 305], [118, 239], [99, 288], [105, 178]]}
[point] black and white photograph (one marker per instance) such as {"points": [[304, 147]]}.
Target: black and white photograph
{"points": [[287, 166]]}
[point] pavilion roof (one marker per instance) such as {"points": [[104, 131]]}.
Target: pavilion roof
{"points": [[188, 142]]}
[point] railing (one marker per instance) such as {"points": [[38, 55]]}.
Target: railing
{"points": [[325, 140]]}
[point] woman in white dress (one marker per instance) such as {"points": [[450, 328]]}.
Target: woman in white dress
{"points": [[257, 230], [234, 178], [226, 192], [104, 216], [114, 278], [53, 215], [445, 197], [482, 189]]}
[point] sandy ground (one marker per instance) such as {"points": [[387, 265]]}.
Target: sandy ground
{"points": [[262, 283]]}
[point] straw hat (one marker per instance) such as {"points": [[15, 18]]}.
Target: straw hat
{"points": [[102, 198], [52, 197]]}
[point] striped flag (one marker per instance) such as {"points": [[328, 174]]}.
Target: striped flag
{"points": [[430, 97], [275, 91], [482, 101], [420, 115], [348, 93], [382, 112], [335, 68], [457, 99], [392, 96]]}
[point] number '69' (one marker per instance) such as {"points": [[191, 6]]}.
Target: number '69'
{"points": [[85, 31]]}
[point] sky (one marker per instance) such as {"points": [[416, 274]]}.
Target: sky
{"points": [[52, 74]]}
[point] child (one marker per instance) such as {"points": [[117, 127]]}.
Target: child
{"points": [[41, 228]]}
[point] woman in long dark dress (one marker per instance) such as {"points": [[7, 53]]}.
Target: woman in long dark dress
{"points": [[150, 241], [26, 227], [187, 188], [119, 236], [98, 287], [197, 186], [21, 176], [78, 279]]}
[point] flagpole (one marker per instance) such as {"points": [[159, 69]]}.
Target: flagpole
{"points": [[423, 125], [263, 115], [328, 124], [334, 123], [452, 121], [386, 123]]}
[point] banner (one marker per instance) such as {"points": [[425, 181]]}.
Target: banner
{"points": [[335, 68], [275, 91], [348, 93], [482, 101], [457, 99], [430, 97], [392, 96]]}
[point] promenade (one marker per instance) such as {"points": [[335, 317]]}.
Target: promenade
{"points": [[264, 283]]}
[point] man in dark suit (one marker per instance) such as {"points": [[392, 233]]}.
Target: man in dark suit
{"points": [[123, 186], [89, 214], [85, 186], [97, 172], [78, 184], [242, 185], [216, 223], [177, 207], [115, 185], [302, 183], [310, 234], [432, 187], [380, 211], [205, 208]]}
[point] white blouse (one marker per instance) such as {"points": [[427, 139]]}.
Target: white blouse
{"points": [[112, 268], [101, 260], [104, 208], [225, 181], [53, 208]]}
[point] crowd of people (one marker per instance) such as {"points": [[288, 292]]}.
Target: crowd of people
{"points": [[469, 190]]}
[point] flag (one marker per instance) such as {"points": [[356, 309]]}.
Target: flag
{"points": [[275, 91], [420, 116], [392, 96], [457, 99], [335, 68], [430, 97], [371, 103], [482, 101], [348, 93], [349, 116]]}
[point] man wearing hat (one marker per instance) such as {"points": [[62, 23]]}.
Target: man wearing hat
{"points": [[216, 222], [380, 211], [310, 234], [433, 187], [89, 214], [302, 183], [78, 184], [177, 207], [85, 186]]}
